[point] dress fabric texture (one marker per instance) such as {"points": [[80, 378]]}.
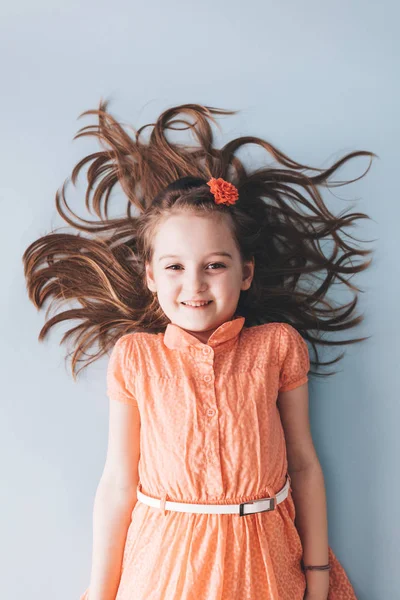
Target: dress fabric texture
{"points": [[210, 432]]}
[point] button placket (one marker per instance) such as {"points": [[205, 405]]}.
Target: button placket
{"points": [[213, 463]]}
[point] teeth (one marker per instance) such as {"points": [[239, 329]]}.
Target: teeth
{"points": [[195, 303]]}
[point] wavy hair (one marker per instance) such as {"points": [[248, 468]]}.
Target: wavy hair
{"points": [[280, 219]]}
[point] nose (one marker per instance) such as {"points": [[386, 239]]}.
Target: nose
{"points": [[194, 281]]}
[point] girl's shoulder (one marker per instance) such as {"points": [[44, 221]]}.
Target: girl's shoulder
{"points": [[271, 329], [131, 338], [145, 340], [276, 335], [138, 343], [134, 352], [274, 327]]}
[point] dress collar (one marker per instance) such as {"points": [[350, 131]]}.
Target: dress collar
{"points": [[176, 337]]}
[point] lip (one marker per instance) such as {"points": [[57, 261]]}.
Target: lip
{"points": [[198, 300], [208, 302]]}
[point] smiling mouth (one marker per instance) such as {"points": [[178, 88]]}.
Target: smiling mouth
{"points": [[196, 304]]}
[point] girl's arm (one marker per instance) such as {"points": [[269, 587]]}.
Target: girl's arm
{"points": [[308, 487], [115, 500]]}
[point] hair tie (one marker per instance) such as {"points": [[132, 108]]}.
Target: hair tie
{"points": [[223, 191]]}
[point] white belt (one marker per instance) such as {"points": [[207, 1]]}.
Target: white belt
{"points": [[245, 508]]}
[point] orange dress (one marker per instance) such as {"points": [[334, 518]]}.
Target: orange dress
{"points": [[211, 433]]}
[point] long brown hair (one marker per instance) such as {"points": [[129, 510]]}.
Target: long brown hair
{"points": [[104, 271]]}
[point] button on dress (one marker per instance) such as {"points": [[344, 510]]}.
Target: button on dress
{"points": [[211, 433]]}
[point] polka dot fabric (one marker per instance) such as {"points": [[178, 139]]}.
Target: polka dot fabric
{"points": [[211, 433]]}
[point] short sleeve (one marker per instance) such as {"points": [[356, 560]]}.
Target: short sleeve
{"points": [[118, 373], [294, 360]]}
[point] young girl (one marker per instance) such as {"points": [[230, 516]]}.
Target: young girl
{"points": [[212, 488]]}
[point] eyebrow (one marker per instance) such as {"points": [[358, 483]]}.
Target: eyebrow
{"points": [[211, 254]]}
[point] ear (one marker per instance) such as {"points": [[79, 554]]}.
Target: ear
{"points": [[248, 274], [150, 278]]}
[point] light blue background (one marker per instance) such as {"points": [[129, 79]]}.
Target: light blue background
{"points": [[316, 79]]}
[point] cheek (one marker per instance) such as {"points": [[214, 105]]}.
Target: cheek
{"points": [[168, 284], [228, 284]]}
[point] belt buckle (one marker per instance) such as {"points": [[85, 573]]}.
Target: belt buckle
{"points": [[272, 505]]}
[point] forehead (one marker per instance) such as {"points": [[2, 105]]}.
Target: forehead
{"points": [[188, 234]]}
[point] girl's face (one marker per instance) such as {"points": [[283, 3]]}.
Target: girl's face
{"points": [[195, 258]]}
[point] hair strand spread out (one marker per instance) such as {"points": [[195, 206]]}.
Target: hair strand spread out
{"points": [[283, 227]]}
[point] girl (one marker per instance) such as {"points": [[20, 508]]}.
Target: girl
{"points": [[212, 488]]}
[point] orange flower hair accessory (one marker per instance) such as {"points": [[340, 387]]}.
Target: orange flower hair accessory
{"points": [[224, 192]]}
